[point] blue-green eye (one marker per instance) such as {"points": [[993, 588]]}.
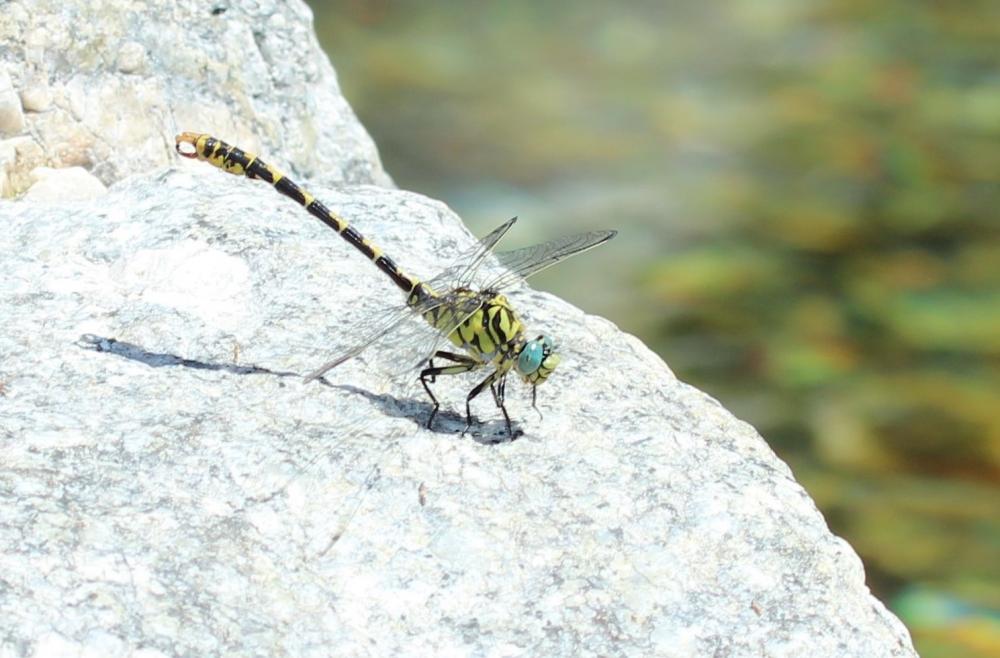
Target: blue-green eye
{"points": [[531, 357]]}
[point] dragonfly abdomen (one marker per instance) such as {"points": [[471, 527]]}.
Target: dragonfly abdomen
{"points": [[235, 161]]}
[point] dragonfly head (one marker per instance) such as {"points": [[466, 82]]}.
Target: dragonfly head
{"points": [[537, 360]]}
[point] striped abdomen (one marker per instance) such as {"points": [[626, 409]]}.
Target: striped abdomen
{"points": [[235, 161]]}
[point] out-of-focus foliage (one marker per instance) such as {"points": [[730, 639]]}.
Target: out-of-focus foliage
{"points": [[808, 193]]}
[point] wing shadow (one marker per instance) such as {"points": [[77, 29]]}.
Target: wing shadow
{"points": [[161, 359], [446, 421]]}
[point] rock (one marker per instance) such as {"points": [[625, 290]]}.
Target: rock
{"points": [[170, 485], [36, 98], [11, 116], [115, 90], [131, 57], [60, 185], [17, 154]]}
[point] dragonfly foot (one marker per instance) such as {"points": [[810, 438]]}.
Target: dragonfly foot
{"points": [[430, 419]]}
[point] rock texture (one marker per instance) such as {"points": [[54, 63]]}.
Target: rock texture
{"points": [[169, 487], [105, 86]]}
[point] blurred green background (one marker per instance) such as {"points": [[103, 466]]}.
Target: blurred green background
{"points": [[807, 193]]}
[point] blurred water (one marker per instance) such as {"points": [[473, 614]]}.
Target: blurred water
{"points": [[806, 193]]}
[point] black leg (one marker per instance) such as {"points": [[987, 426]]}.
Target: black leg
{"points": [[451, 356], [534, 399], [429, 375], [472, 394], [499, 389], [480, 387], [448, 356]]}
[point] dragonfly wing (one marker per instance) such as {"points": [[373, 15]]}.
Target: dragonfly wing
{"points": [[377, 331], [461, 273], [457, 276], [406, 350], [522, 263], [460, 311], [515, 265]]}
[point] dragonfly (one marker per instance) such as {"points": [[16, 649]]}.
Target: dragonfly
{"points": [[480, 323]]}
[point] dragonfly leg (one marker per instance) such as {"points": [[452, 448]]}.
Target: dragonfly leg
{"points": [[449, 356], [429, 374], [499, 389], [490, 381], [534, 401]]}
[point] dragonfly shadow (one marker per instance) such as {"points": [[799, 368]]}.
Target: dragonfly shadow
{"points": [[161, 359], [418, 411], [446, 422]]}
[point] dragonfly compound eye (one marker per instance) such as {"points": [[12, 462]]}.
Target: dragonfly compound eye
{"points": [[537, 360], [530, 358]]}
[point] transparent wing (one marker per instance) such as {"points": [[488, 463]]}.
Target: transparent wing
{"points": [[418, 351], [460, 310], [373, 332], [458, 275], [422, 340], [514, 265], [405, 341], [462, 271], [521, 263]]}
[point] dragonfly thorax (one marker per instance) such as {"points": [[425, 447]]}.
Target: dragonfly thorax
{"points": [[482, 324], [487, 328]]}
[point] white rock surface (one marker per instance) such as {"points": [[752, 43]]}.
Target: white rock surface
{"points": [[106, 86], [168, 486], [11, 116], [67, 184]]}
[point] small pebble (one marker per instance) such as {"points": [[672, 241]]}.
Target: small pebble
{"points": [[131, 57], [36, 99], [66, 184], [11, 116]]}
